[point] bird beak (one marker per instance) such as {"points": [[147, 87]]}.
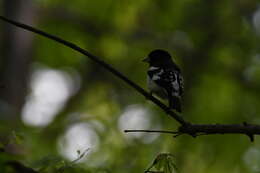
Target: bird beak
{"points": [[146, 59]]}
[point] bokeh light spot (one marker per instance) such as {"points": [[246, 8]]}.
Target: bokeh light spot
{"points": [[137, 117], [252, 159], [78, 137], [50, 89]]}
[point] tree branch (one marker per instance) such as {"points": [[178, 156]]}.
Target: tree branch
{"points": [[186, 128], [100, 62], [152, 131], [195, 130], [207, 129]]}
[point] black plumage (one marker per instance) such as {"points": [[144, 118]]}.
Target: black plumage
{"points": [[164, 78]]}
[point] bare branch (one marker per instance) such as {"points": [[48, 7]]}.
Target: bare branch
{"points": [[206, 129], [152, 131], [102, 63]]}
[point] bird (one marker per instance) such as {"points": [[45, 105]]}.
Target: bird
{"points": [[164, 78]]}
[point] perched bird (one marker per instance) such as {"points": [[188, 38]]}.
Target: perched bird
{"points": [[164, 78]]}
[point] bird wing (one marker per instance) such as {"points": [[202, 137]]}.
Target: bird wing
{"points": [[169, 79]]}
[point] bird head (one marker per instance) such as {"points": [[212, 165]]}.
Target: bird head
{"points": [[158, 58]]}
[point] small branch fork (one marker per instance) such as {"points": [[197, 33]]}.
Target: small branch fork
{"points": [[185, 127]]}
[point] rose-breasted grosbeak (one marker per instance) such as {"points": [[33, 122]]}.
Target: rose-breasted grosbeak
{"points": [[164, 78]]}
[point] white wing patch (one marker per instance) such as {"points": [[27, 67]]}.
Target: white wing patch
{"points": [[161, 81], [174, 83]]}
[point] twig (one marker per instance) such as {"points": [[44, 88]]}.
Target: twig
{"points": [[152, 131], [80, 156], [100, 62]]}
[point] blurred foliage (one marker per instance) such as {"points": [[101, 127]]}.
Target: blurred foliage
{"points": [[216, 44]]}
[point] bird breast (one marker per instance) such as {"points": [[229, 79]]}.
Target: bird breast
{"points": [[156, 89]]}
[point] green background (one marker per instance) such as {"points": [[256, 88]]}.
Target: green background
{"points": [[216, 44]]}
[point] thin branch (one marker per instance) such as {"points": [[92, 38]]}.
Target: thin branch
{"points": [[102, 63], [152, 131], [80, 156]]}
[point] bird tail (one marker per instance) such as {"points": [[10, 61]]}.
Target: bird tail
{"points": [[175, 103]]}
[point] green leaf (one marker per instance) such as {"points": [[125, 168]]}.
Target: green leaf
{"points": [[164, 163]]}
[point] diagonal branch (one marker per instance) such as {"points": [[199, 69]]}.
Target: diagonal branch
{"points": [[186, 128], [100, 62]]}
